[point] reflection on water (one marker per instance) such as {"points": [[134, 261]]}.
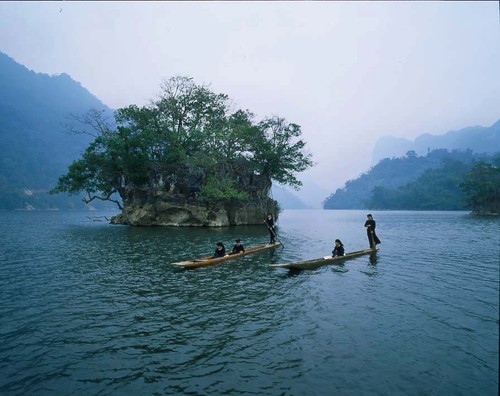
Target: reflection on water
{"points": [[373, 258], [90, 308]]}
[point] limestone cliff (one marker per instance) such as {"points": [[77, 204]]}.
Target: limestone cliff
{"points": [[169, 205], [167, 210]]}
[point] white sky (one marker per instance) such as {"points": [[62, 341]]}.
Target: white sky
{"points": [[347, 72]]}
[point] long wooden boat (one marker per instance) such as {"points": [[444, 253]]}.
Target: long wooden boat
{"points": [[204, 261], [316, 263]]}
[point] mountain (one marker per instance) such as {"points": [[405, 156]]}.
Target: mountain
{"points": [[35, 145], [287, 199], [311, 193], [438, 174], [477, 138], [400, 162], [456, 185]]}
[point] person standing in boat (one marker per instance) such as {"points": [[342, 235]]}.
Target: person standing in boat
{"points": [[339, 249], [270, 225], [220, 250], [370, 231], [238, 247]]}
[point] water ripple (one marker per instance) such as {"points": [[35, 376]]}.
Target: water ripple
{"points": [[90, 308]]}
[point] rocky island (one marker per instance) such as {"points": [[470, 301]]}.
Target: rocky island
{"points": [[187, 159], [160, 207]]}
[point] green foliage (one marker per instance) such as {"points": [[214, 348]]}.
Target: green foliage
{"points": [[390, 173], [221, 190], [482, 187], [410, 183], [278, 153], [435, 189], [188, 142]]}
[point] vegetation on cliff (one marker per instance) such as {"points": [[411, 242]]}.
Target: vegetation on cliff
{"points": [[190, 144]]}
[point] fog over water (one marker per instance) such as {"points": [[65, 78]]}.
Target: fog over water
{"points": [[347, 72]]}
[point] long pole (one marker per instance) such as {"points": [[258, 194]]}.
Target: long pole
{"points": [[372, 240], [276, 236]]}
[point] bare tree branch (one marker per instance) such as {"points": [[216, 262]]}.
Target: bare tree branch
{"points": [[95, 119], [107, 198]]}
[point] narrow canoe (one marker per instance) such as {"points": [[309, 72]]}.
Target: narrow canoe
{"points": [[204, 261], [315, 263]]}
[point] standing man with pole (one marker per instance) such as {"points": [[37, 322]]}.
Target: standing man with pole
{"points": [[272, 230], [370, 231]]}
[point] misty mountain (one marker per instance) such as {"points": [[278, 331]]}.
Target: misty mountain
{"points": [[35, 145], [378, 187], [479, 139], [311, 193], [287, 199]]}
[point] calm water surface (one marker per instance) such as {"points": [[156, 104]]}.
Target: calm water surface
{"points": [[89, 308]]}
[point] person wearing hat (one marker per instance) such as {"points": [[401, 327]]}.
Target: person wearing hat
{"points": [[238, 247], [220, 250]]}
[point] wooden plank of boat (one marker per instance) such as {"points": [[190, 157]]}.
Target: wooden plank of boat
{"points": [[204, 261], [315, 263]]}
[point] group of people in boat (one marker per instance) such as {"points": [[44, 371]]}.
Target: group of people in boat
{"points": [[373, 239], [220, 249], [370, 225]]}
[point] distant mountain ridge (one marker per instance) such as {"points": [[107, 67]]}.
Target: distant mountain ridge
{"points": [[287, 199], [400, 162], [35, 147], [479, 139], [411, 182]]}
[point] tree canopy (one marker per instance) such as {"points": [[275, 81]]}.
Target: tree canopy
{"points": [[482, 187], [190, 141]]}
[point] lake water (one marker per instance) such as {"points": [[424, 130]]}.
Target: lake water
{"points": [[89, 308]]}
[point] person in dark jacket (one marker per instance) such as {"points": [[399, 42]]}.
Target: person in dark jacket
{"points": [[270, 225], [238, 247], [220, 250], [370, 231], [339, 248]]}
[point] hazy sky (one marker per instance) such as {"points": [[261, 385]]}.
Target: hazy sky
{"points": [[347, 72]]}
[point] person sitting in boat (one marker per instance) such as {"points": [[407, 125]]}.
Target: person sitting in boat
{"points": [[238, 247], [339, 248], [220, 250]]}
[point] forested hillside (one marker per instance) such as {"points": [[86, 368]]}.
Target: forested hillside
{"points": [[35, 145], [412, 182], [479, 139]]}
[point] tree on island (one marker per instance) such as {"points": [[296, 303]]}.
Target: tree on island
{"points": [[187, 146]]}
